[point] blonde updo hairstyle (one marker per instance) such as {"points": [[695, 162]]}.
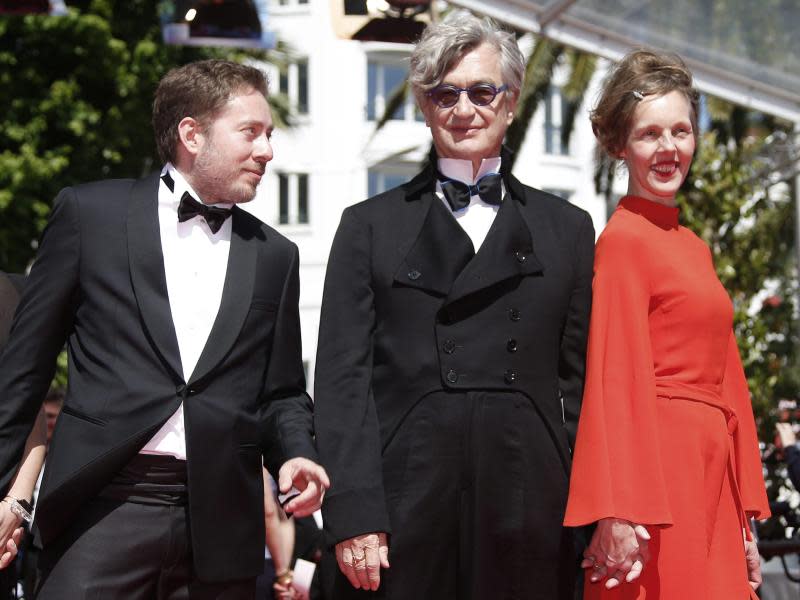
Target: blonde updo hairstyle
{"points": [[639, 74]]}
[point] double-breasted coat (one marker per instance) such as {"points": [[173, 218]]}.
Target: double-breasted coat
{"points": [[413, 319]]}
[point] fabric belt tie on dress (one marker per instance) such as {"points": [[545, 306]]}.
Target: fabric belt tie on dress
{"points": [[707, 393], [711, 394]]}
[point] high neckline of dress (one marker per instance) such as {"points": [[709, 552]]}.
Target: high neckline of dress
{"points": [[658, 214]]}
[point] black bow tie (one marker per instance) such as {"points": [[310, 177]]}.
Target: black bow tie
{"points": [[457, 193], [214, 216]]}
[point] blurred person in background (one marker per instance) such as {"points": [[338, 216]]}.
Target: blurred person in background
{"points": [[20, 497]]}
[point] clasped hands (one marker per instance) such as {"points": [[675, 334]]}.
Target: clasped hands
{"points": [[360, 559], [618, 550]]}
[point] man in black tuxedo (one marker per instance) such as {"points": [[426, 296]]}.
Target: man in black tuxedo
{"points": [[451, 354], [180, 315]]}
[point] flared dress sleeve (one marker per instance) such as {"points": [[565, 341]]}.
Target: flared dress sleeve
{"points": [[749, 473], [617, 468]]}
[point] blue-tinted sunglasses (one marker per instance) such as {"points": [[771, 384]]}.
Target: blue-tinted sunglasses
{"points": [[479, 94]]}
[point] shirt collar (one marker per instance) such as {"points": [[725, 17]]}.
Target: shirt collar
{"points": [[461, 169]]}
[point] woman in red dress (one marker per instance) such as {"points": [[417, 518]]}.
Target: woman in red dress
{"points": [[666, 460]]}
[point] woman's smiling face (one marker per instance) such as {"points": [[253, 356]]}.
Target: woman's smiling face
{"points": [[660, 147]]}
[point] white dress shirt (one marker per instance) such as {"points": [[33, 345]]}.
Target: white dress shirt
{"points": [[195, 264], [477, 218]]}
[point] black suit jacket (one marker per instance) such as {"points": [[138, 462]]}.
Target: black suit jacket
{"points": [[409, 309], [98, 282], [11, 286]]}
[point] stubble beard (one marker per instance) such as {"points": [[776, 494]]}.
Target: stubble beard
{"points": [[216, 183]]}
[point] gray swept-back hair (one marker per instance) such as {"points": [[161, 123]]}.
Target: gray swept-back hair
{"points": [[443, 44]]}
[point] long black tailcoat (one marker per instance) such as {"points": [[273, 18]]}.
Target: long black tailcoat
{"points": [[98, 282], [410, 310]]}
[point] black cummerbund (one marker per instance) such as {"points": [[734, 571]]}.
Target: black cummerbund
{"points": [[150, 479]]}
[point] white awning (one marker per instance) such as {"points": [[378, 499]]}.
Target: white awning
{"points": [[744, 51]]}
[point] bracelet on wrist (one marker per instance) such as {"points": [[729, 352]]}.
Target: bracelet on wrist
{"points": [[284, 577], [21, 508]]}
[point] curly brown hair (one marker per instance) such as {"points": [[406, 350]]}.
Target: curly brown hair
{"points": [[640, 73], [199, 90]]}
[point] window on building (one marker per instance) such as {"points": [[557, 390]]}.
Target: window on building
{"points": [[554, 110], [302, 87], [384, 77], [289, 2], [382, 179], [293, 83], [293, 199]]}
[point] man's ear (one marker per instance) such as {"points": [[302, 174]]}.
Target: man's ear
{"points": [[511, 107], [190, 135]]}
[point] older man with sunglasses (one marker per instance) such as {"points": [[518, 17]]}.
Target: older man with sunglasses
{"points": [[451, 354]]}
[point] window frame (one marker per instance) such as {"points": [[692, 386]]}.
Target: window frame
{"points": [[294, 198], [554, 108], [378, 94], [290, 84]]}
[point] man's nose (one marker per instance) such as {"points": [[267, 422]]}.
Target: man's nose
{"points": [[464, 106], [262, 149]]}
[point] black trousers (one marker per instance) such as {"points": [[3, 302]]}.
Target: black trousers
{"points": [[476, 492], [8, 582], [131, 543]]}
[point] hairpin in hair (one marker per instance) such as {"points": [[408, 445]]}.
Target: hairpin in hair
{"points": [[638, 95]]}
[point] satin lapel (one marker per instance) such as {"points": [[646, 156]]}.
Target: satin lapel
{"points": [[440, 251], [237, 294], [146, 263], [506, 252]]}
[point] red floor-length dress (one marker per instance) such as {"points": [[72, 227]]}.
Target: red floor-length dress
{"points": [[666, 435]]}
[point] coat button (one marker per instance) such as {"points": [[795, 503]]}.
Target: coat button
{"points": [[521, 257], [449, 346], [513, 314], [452, 376], [413, 275], [511, 345], [510, 376]]}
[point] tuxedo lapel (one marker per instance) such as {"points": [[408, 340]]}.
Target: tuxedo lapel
{"points": [[440, 251], [150, 285], [506, 252], [146, 263], [237, 294]]}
